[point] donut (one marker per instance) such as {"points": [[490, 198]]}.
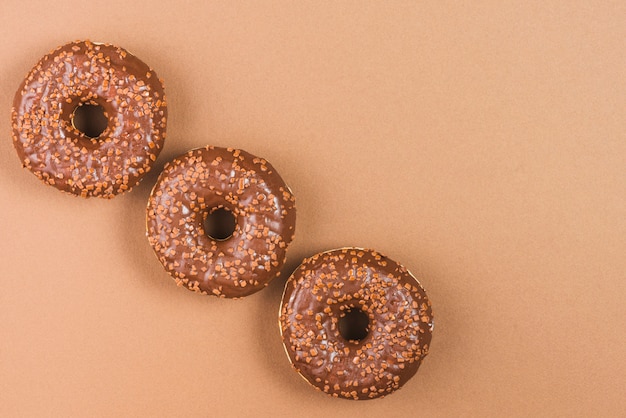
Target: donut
{"points": [[354, 323], [108, 86], [201, 182]]}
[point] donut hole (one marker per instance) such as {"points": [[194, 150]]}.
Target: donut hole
{"points": [[354, 324], [220, 224], [89, 119]]}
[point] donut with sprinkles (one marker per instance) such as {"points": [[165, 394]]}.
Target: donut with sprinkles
{"points": [[205, 180], [76, 77], [354, 323]]}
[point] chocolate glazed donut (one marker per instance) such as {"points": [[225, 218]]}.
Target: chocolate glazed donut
{"points": [[205, 180], [354, 323], [104, 79]]}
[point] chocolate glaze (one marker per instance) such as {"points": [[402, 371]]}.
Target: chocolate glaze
{"points": [[319, 293], [88, 73], [206, 179]]}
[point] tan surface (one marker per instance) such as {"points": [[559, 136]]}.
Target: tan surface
{"points": [[483, 146]]}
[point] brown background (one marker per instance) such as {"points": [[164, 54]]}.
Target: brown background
{"points": [[482, 145]]}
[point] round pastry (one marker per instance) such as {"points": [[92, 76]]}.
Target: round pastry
{"points": [[354, 323], [208, 181], [89, 119]]}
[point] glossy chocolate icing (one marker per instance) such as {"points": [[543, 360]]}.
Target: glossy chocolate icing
{"points": [[80, 73], [206, 179], [322, 290]]}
